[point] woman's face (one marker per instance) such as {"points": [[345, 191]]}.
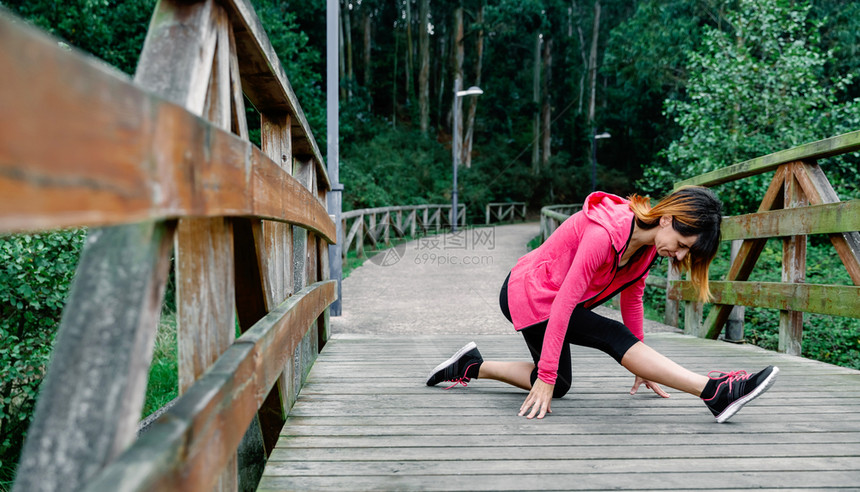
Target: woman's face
{"points": [[670, 243]]}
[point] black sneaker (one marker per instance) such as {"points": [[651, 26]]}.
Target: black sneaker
{"points": [[457, 368], [733, 390]]}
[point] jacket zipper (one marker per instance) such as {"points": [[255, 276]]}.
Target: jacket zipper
{"points": [[615, 273], [614, 267], [628, 284]]}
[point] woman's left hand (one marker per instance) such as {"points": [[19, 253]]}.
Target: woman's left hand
{"points": [[539, 400], [650, 385]]}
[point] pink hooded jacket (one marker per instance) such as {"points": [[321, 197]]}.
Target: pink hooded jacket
{"points": [[578, 264]]}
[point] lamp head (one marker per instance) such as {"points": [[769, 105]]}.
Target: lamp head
{"points": [[471, 91]]}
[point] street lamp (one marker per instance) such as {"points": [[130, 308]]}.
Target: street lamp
{"points": [[594, 159], [471, 91]]}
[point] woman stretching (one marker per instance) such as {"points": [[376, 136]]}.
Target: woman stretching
{"points": [[606, 249]]}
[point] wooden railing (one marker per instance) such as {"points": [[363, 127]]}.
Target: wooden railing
{"points": [[157, 167], [375, 225], [553, 215], [799, 201], [503, 212]]}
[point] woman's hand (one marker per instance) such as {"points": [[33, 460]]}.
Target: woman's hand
{"points": [[539, 400], [650, 385]]}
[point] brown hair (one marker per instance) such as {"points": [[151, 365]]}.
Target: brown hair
{"points": [[695, 210]]}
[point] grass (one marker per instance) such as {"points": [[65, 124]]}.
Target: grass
{"points": [[163, 385], [7, 476]]}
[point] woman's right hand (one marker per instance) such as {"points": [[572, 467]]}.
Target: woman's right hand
{"points": [[538, 401]]}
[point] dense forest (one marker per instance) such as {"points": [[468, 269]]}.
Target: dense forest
{"points": [[680, 86]]}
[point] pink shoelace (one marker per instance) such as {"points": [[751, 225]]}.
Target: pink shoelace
{"points": [[731, 377], [462, 380]]}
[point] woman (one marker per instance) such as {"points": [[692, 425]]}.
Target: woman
{"points": [[606, 249]]}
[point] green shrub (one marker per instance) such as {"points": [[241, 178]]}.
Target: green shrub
{"points": [[36, 272]]}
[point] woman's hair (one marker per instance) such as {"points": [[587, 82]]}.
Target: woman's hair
{"points": [[695, 210]]}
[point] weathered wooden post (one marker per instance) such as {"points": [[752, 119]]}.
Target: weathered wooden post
{"points": [[793, 266], [670, 316], [735, 323]]}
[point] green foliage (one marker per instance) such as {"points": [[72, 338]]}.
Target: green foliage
{"points": [[112, 30], [395, 168], [36, 272], [163, 382], [754, 89]]}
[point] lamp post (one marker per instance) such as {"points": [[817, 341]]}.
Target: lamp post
{"points": [[594, 158], [455, 148]]}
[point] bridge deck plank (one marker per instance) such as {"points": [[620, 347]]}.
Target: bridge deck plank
{"points": [[365, 420]]}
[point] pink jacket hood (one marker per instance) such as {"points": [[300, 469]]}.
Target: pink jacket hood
{"points": [[612, 213], [578, 264]]}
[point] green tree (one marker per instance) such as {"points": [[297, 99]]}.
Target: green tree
{"points": [[754, 88], [112, 30]]}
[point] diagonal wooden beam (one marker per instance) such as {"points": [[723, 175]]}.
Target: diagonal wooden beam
{"points": [[818, 189]]}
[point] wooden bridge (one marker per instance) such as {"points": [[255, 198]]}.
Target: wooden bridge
{"points": [[162, 166], [364, 419]]}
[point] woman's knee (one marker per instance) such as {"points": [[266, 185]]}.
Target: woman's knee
{"points": [[561, 388]]}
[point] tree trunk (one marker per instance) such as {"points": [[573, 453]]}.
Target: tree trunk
{"points": [[536, 111], [458, 75], [409, 48], [442, 63], [582, 54], [592, 63], [347, 27], [341, 56], [394, 82], [546, 111], [473, 101], [424, 74], [368, 73]]}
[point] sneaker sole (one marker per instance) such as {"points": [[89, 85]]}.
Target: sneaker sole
{"points": [[738, 404], [469, 346]]}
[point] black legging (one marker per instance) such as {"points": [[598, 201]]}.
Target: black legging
{"points": [[584, 328]]}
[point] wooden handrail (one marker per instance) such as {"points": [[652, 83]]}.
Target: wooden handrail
{"points": [[829, 147], [504, 211], [146, 165], [190, 443], [816, 219], [359, 232], [552, 216], [174, 164], [799, 201], [266, 85]]}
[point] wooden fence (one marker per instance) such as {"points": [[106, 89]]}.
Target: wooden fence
{"points": [[375, 225], [553, 215], [157, 167], [505, 212], [799, 201]]}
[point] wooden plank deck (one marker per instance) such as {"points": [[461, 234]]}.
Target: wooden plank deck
{"points": [[366, 421]]}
